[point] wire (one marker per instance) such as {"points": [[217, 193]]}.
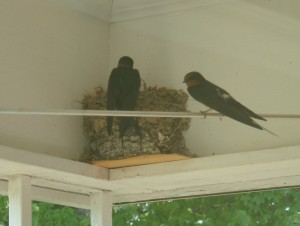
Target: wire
{"points": [[128, 113]]}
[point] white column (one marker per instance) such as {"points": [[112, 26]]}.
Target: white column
{"points": [[101, 208], [19, 193]]}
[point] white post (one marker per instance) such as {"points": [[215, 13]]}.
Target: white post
{"points": [[19, 193], [101, 208]]}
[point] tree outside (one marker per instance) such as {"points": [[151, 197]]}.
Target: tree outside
{"points": [[46, 214], [266, 208]]}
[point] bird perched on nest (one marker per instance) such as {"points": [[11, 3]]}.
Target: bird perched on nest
{"points": [[122, 94], [218, 99]]}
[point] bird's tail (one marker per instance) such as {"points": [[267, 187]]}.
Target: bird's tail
{"points": [[109, 123], [255, 124], [126, 122], [269, 131]]}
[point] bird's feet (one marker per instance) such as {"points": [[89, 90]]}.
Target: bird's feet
{"points": [[204, 113]]}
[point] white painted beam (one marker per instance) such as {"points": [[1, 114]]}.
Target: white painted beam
{"points": [[228, 161], [19, 193], [210, 175], [208, 189], [101, 208], [246, 171], [48, 195], [61, 197], [14, 162]]}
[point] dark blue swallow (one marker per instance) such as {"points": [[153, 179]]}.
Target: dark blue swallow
{"points": [[122, 94], [220, 100]]}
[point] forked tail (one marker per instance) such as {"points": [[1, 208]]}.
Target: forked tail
{"points": [[270, 132]]}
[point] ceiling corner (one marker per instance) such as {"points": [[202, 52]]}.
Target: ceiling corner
{"points": [[98, 8], [133, 9]]}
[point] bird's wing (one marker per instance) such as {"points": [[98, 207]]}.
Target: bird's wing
{"points": [[237, 105], [132, 85], [218, 99], [236, 114], [227, 105], [113, 91]]}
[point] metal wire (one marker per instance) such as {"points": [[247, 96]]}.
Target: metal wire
{"points": [[128, 113]]}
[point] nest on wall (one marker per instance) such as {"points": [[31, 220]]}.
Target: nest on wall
{"points": [[159, 135]]}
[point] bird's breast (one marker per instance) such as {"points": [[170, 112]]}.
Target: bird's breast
{"points": [[192, 83]]}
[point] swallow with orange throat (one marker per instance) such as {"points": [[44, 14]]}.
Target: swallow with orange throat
{"points": [[220, 100]]}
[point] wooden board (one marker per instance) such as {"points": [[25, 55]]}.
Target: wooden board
{"points": [[68, 182], [139, 160]]}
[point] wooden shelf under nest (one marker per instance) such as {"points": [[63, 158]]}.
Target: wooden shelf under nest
{"points": [[140, 160]]}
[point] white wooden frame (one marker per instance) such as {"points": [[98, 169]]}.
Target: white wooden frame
{"points": [[86, 186], [19, 193]]}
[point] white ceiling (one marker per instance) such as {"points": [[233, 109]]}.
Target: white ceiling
{"points": [[118, 10]]}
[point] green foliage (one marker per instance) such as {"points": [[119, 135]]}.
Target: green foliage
{"points": [[54, 215], [267, 208], [3, 210], [47, 214]]}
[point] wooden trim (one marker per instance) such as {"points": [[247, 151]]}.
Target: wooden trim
{"points": [[19, 192], [64, 198], [271, 168], [139, 160], [101, 209]]}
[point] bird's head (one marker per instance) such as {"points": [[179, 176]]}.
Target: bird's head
{"points": [[193, 76], [125, 61]]}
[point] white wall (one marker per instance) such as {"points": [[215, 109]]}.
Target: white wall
{"points": [[250, 50], [49, 57]]}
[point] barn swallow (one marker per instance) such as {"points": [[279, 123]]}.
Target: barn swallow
{"points": [[220, 100], [122, 94]]}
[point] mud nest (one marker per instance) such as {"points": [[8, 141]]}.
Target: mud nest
{"points": [[159, 135]]}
